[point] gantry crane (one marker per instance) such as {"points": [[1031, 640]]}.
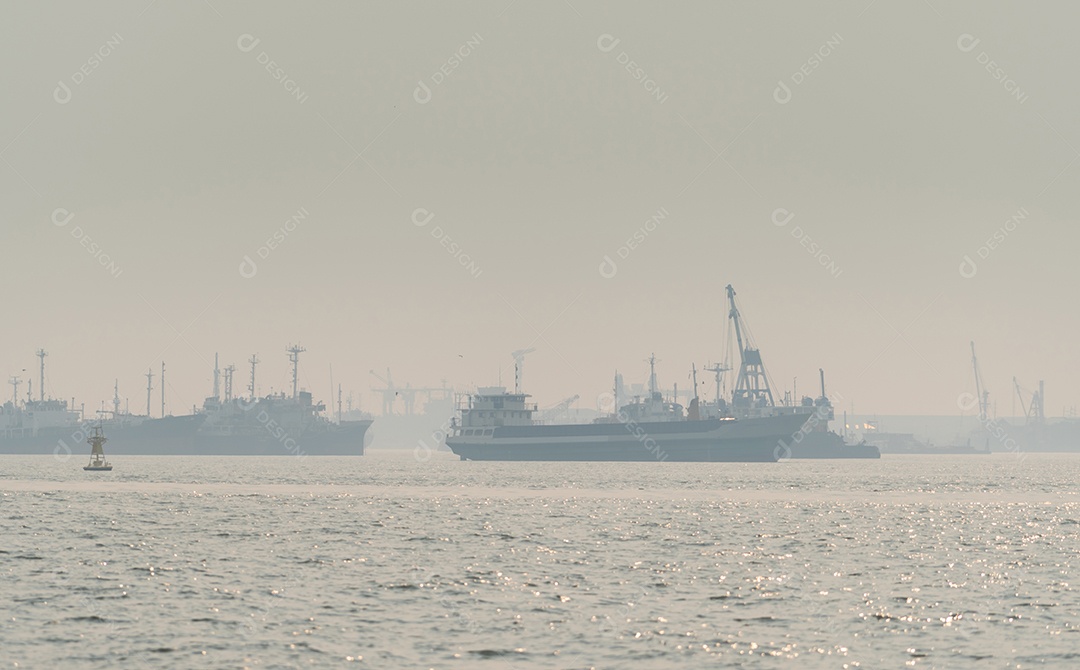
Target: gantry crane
{"points": [[389, 391]]}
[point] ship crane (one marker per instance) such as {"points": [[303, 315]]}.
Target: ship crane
{"points": [[519, 365], [558, 409], [752, 387]]}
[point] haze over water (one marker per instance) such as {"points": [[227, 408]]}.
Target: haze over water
{"points": [[427, 191], [409, 193], [933, 562]]}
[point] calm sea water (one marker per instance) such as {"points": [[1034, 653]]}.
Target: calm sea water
{"points": [[383, 561]]}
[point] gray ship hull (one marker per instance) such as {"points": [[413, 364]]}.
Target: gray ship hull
{"points": [[53, 441], [345, 439], [181, 436], [710, 440], [1061, 435], [818, 444]]}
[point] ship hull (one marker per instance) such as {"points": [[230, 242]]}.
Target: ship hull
{"points": [[712, 440], [53, 441], [1062, 435], [346, 440], [818, 444], [939, 451], [181, 436]]}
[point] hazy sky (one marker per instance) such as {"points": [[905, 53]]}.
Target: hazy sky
{"points": [[146, 149]]}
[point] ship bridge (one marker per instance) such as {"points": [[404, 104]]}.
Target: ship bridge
{"points": [[492, 406]]}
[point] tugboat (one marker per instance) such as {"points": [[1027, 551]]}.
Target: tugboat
{"points": [[97, 454]]}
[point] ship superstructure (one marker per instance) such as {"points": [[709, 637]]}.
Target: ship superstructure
{"points": [[26, 422]]}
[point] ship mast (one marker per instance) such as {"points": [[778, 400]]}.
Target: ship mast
{"points": [[229, 370], [162, 389], [615, 394], [217, 379], [254, 360], [652, 374], [149, 387], [294, 357], [15, 382], [519, 365], [41, 353], [719, 371]]}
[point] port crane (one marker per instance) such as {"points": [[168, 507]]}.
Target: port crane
{"points": [[389, 391], [1033, 411], [752, 388], [982, 395]]}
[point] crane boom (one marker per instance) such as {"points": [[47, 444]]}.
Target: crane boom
{"points": [[982, 394], [558, 409], [734, 315]]}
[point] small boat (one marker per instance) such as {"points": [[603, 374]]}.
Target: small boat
{"points": [[97, 454]]}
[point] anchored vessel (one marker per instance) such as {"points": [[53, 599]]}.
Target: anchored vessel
{"points": [[97, 453], [498, 426], [907, 443], [271, 425]]}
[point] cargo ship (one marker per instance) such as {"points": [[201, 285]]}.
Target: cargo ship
{"points": [[496, 425], [271, 425], [907, 443]]}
